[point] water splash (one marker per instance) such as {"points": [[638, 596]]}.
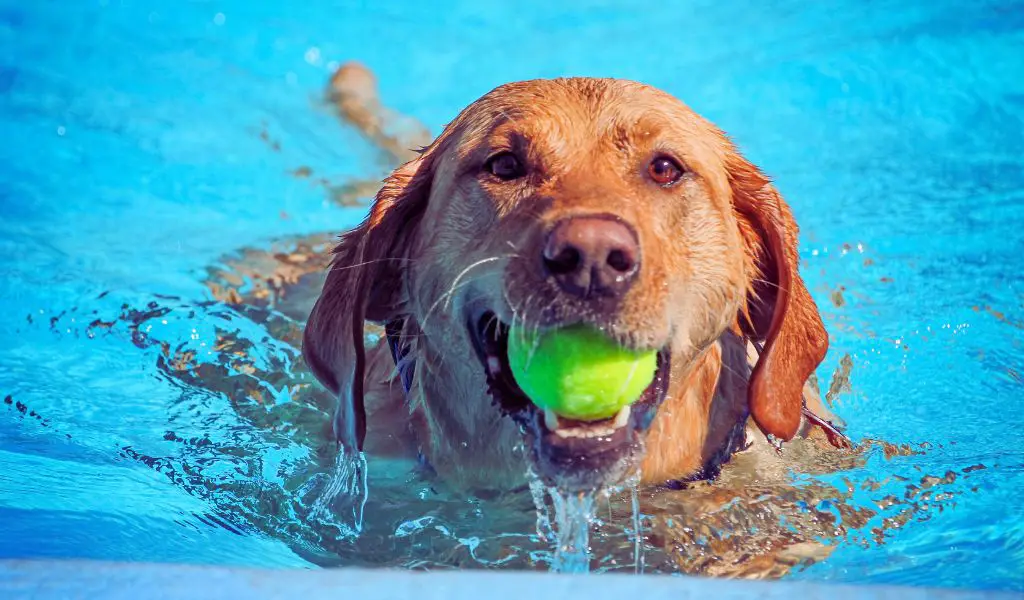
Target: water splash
{"points": [[574, 513], [539, 493], [258, 475], [344, 496], [638, 544]]}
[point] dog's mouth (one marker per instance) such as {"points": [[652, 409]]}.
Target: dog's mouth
{"points": [[569, 454]]}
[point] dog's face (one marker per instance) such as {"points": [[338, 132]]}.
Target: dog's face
{"points": [[553, 203], [591, 203]]}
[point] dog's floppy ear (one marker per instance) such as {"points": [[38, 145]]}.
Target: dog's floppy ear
{"points": [[366, 282], [780, 311]]}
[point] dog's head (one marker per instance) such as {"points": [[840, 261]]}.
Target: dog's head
{"points": [[555, 202]]}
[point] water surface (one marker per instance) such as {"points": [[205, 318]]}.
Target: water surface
{"points": [[146, 145]]}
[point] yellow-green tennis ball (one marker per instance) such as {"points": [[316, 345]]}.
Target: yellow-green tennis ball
{"points": [[578, 372]]}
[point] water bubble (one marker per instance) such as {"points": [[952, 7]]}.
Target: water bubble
{"points": [[219, 18]]}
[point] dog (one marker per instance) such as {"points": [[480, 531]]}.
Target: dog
{"points": [[550, 203]]}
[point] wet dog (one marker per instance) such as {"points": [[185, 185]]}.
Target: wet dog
{"points": [[551, 203]]}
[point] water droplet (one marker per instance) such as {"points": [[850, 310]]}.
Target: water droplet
{"points": [[219, 18]]}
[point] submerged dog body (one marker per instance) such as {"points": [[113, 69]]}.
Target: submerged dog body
{"points": [[550, 203]]}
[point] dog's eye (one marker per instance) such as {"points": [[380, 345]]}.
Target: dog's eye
{"points": [[505, 166], [664, 170]]}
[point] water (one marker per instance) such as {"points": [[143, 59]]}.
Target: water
{"points": [[158, 162], [344, 489], [638, 539], [574, 513], [565, 524]]}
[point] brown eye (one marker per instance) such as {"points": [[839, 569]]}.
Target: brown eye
{"points": [[664, 171], [505, 166]]}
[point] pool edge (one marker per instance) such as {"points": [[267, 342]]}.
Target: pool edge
{"points": [[31, 578]]}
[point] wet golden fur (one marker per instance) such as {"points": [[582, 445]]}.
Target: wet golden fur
{"points": [[720, 267]]}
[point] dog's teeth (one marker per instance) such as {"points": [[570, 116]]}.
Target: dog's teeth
{"points": [[588, 431], [550, 420], [622, 417], [493, 365], [592, 431]]}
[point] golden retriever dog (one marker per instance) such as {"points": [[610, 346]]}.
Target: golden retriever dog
{"points": [[550, 203]]}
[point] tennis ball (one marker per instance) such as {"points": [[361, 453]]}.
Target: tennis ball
{"points": [[578, 372]]}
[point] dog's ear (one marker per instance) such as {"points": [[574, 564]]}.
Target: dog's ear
{"points": [[366, 282], [779, 309]]}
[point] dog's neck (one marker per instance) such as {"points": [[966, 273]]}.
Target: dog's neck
{"points": [[465, 439], [702, 420]]}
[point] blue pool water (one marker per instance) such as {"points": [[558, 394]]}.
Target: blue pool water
{"points": [[133, 160]]}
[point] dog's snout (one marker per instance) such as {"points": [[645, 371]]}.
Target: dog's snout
{"points": [[597, 255]]}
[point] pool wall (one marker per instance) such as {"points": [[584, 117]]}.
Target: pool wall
{"points": [[88, 579]]}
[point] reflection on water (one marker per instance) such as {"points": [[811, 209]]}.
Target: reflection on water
{"points": [[248, 435]]}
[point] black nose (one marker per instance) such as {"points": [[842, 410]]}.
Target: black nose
{"points": [[594, 255]]}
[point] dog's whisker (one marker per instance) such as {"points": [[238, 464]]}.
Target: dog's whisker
{"points": [[507, 299], [551, 303], [516, 313], [463, 273], [727, 367], [492, 322], [472, 266], [769, 283], [337, 267], [447, 295]]}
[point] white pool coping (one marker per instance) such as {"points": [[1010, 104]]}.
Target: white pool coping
{"points": [[89, 579]]}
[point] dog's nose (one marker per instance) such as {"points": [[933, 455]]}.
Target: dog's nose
{"points": [[593, 255]]}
